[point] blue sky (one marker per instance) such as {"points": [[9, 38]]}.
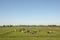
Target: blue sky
{"points": [[29, 12]]}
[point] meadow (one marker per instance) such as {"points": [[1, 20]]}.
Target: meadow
{"points": [[30, 33]]}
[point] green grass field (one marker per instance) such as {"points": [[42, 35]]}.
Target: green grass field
{"points": [[30, 33]]}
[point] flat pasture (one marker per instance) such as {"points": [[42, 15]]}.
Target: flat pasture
{"points": [[30, 33]]}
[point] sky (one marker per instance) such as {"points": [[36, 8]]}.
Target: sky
{"points": [[33, 12]]}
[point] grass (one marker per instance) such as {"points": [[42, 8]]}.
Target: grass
{"points": [[9, 33]]}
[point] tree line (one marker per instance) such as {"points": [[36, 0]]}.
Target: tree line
{"points": [[29, 26]]}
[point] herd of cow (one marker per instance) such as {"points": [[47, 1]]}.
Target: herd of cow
{"points": [[31, 31]]}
